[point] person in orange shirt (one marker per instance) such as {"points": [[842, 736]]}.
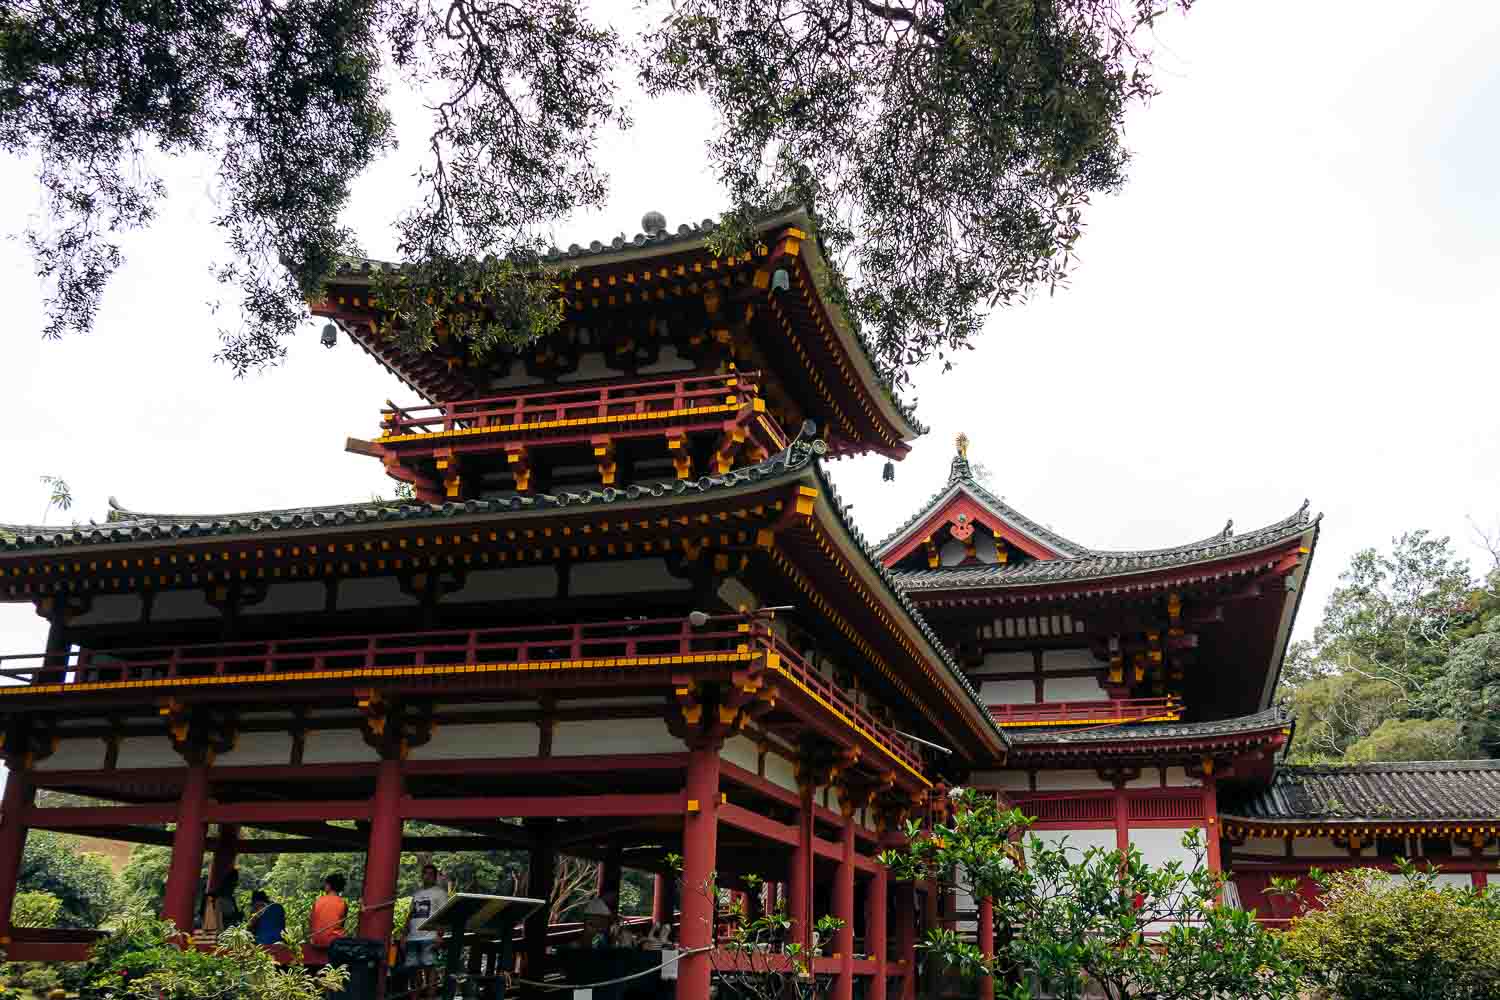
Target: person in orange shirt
{"points": [[326, 925]]}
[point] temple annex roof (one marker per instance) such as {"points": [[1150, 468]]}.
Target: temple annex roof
{"points": [[1444, 790], [1272, 718], [1067, 560]]}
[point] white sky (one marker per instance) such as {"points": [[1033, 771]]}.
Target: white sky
{"points": [[1293, 297]]}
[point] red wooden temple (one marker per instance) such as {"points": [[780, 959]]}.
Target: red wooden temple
{"points": [[627, 616]]}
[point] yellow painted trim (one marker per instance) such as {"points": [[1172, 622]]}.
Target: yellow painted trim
{"points": [[1170, 717], [544, 425], [777, 668], [445, 670]]}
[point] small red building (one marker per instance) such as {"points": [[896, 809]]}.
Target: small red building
{"points": [[627, 616]]}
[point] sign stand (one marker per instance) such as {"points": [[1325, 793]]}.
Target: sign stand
{"points": [[475, 916]]}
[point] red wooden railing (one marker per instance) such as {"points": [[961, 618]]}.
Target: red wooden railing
{"points": [[519, 409], [544, 648], [1058, 712]]}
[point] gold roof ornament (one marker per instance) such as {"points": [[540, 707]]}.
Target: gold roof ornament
{"points": [[963, 444]]}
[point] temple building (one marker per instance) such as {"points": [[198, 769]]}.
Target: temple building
{"points": [[625, 616]]}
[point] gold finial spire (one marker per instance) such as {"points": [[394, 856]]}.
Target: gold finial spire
{"points": [[963, 445]]}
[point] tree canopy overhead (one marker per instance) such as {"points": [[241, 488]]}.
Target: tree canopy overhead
{"points": [[946, 149]]}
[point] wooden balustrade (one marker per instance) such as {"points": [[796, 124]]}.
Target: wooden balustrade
{"points": [[524, 408], [1053, 713], [542, 649]]}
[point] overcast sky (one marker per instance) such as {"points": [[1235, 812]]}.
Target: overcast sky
{"points": [[1294, 296]]}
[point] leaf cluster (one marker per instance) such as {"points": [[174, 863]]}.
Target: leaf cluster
{"points": [[1378, 935]]}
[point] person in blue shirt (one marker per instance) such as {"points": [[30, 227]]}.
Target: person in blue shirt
{"points": [[267, 918]]}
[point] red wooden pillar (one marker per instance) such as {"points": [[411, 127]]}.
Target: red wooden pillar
{"points": [[875, 929], [987, 946], [226, 853], [377, 912], [1211, 823], [20, 793], [904, 913], [187, 849], [799, 879], [543, 868], [843, 908], [607, 878], [661, 905], [700, 845]]}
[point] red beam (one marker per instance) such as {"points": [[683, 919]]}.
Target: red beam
{"points": [[743, 819], [539, 806], [288, 812], [548, 765]]}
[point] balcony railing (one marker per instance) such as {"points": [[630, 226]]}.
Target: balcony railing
{"points": [[1062, 713], [615, 403], [538, 650]]}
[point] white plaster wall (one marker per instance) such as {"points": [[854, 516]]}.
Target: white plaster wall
{"points": [[373, 592], [667, 361], [1011, 781], [1262, 847], [506, 584], [82, 754], [499, 739], [624, 576], [1316, 847], [291, 598], [108, 609], [1068, 659], [258, 749], [147, 751], [1009, 662], [1177, 777], [1072, 689], [1458, 880], [1079, 841], [952, 553], [181, 605], [1149, 777], [1007, 692], [736, 595], [607, 736], [1056, 781], [516, 378], [1158, 846], [590, 366], [336, 746], [743, 752], [780, 772]]}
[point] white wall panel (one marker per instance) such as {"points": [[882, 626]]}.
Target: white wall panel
{"points": [[1009, 661], [336, 746], [109, 609], [624, 576], [1069, 659], [1072, 689], [1008, 692], [743, 752], [81, 755], [780, 772], [608, 736], [1158, 846], [181, 605], [148, 751], [373, 592], [1011, 781], [515, 583], [1056, 781], [1177, 777], [258, 749], [1079, 841], [291, 598], [471, 742]]}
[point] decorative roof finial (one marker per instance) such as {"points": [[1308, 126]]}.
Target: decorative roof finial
{"points": [[963, 444]]}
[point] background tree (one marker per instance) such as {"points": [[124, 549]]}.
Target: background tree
{"points": [[1405, 664], [1396, 936], [83, 883], [948, 149], [1078, 923]]}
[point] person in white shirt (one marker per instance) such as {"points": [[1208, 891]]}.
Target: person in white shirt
{"points": [[422, 945]]}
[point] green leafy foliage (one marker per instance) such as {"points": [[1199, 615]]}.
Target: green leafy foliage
{"points": [[83, 883], [288, 103], [142, 960], [1397, 936], [1406, 662], [1102, 923], [948, 150], [35, 909]]}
